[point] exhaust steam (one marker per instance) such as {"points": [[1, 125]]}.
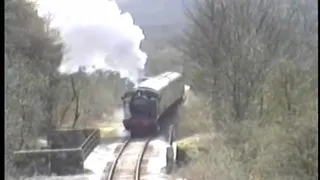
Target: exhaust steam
{"points": [[98, 36]]}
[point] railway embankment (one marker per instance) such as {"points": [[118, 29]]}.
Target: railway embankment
{"points": [[188, 149]]}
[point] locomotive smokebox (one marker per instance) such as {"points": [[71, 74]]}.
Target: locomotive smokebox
{"points": [[150, 99]]}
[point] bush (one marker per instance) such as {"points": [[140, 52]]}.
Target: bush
{"points": [[38, 98]]}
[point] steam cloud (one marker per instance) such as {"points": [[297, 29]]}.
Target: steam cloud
{"points": [[118, 114], [97, 35]]}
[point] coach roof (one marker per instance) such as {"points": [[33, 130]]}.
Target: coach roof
{"points": [[158, 82]]}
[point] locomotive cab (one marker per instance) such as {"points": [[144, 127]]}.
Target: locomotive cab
{"points": [[140, 110]]}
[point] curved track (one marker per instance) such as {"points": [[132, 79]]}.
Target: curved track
{"points": [[118, 172]]}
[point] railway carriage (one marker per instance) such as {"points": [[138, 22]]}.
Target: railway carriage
{"points": [[144, 105]]}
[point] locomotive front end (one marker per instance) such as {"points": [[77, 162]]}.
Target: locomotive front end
{"points": [[150, 100], [139, 112]]}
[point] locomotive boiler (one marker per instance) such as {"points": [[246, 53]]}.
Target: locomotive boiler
{"points": [[144, 105]]}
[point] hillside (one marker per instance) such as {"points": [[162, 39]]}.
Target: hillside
{"points": [[252, 66], [156, 18]]}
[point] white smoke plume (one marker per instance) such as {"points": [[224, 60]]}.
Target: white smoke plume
{"points": [[118, 114], [186, 88], [97, 35]]}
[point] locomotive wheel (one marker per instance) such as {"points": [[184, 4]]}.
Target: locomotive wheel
{"points": [[134, 133], [153, 130], [156, 129]]}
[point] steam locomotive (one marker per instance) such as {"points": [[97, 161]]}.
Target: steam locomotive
{"points": [[144, 105]]}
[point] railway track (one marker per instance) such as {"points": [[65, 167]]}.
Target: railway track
{"points": [[127, 164]]}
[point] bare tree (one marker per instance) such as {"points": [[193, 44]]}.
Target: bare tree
{"points": [[257, 61], [74, 98], [231, 44]]}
